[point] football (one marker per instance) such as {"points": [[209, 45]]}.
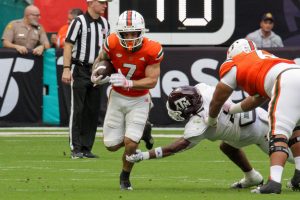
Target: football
{"points": [[107, 69]]}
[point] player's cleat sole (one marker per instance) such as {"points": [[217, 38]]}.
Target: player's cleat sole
{"points": [[147, 137], [76, 155], [256, 180], [271, 187], [294, 183]]}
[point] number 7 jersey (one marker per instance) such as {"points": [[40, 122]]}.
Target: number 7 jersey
{"points": [[133, 64]]}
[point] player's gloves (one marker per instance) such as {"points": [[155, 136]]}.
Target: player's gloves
{"points": [[210, 121], [97, 79], [134, 158], [138, 156], [119, 80]]}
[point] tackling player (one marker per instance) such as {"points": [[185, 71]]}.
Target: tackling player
{"points": [[265, 77], [236, 130], [137, 60]]}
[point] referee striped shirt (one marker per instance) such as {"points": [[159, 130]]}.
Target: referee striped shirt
{"points": [[87, 35]]}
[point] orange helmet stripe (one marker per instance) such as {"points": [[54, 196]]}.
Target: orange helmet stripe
{"points": [[129, 18], [251, 45]]}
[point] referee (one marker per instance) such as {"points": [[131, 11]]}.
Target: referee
{"points": [[83, 42]]}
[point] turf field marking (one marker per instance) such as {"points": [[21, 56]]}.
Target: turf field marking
{"points": [[65, 134]]}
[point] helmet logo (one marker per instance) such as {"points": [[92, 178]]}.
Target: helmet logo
{"points": [[182, 103]]}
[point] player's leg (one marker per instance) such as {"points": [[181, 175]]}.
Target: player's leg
{"points": [[114, 125], [261, 130], [294, 144], [237, 156], [147, 137], [136, 116], [282, 120], [130, 148]]}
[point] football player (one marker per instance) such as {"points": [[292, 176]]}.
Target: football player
{"points": [[235, 130], [137, 60], [264, 77]]}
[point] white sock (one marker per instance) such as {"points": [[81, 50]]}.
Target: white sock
{"points": [[297, 162], [250, 174], [276, 173]]}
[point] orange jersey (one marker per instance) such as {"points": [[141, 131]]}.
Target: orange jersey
{"points": [[252, 69], [132, 64]]}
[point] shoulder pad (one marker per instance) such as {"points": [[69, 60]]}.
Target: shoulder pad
{"points": [[111, 42], [156, 51], [225, 67]]}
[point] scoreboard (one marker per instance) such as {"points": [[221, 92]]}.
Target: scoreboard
{"points": [[181, 22]]}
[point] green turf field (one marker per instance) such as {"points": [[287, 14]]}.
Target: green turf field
{"points": [[39, 167]]}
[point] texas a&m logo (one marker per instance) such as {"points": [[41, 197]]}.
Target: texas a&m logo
{"points": [[182, 103]]}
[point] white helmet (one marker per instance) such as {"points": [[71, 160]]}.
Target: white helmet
{"points": [[131, 21], [239, 46]]}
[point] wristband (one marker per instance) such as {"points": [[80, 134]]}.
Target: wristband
{"points": [[236, 108], [212, 121], [67, 67], [158, 152], [130, 83]]}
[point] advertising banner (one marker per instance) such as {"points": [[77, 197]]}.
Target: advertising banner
{"points": [[21, 88], [21, 84]]}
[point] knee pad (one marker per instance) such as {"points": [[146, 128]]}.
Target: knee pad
{"points": [[293, 141], [273, 148]]}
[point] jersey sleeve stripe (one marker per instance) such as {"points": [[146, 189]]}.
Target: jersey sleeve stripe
{"points": [[251, 45], [160, 54]]}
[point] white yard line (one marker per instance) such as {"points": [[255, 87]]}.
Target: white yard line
{"points": [[44, 133], [66, 128]]}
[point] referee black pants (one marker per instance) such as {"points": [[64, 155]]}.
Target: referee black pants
{"points": [[85, 106]]}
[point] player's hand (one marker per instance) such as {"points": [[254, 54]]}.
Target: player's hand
{"points": [[97, 79], [134, 158], [210, 121], [119, 80], [226, 106]]}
